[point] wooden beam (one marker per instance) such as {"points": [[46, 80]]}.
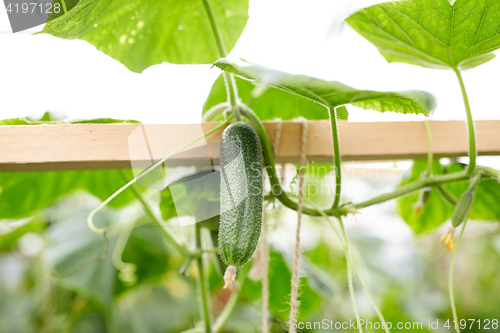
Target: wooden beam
{"points": [[104, 146]]}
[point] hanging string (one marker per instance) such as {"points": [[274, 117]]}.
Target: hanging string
{"points": [[295, 274]]}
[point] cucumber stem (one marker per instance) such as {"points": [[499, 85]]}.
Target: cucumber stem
{"points": [[349, 275], [337, 159], [450, 281], [65, 9], [232, 90], [202, 281], [470, 125], [344, 245], [447, 196], [415, 186]]}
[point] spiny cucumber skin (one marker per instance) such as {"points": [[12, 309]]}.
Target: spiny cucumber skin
{"points": [[462, 210], [240, 224]]}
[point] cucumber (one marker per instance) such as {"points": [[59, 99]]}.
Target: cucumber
{"points": [[241, 196], [462, 210]]}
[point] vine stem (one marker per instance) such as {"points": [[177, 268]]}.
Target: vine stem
{"points": [[450, 281], [337, 159], [170, 235], [415, 186], [360, 279], [64, 6], [470, 125], [282, 196], [231, 89], [349, 275], [203, 283]]}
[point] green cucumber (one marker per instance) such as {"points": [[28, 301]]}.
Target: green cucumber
{"points": [[462, 210], [241, 196]]}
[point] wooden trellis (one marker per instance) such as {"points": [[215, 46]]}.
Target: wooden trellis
{"points": [[104, 146]]}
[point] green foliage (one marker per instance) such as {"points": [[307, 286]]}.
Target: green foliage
{"points": [[69, 5], [280, 289], [434, 213], [432, 33], [12, 230], [25, 192], [142, 33], [147, 249], [273, 103], [71, 246], [196, 197], [331, 93], [437, 211], [156, 309], [105, 121]]}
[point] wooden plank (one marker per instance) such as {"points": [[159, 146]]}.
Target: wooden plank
{"points": [[103, 146]]}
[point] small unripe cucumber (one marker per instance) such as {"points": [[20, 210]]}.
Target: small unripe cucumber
{"points": [[423, 198], [462, 210], [241, 196]]}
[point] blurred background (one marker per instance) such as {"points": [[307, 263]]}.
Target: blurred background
{"points": [[44, 240]]}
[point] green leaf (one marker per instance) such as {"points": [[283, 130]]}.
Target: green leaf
{"points": [[48, 119], [434, 213], [15, 121], [105, 121], [432, 33], [142, 33], [280, 289], [197, 194], [147, 249], [437, 211], [22, 193], [332, 94], [156, 308], [55, 3], [273, 103], [71, 245], [485, 205]]}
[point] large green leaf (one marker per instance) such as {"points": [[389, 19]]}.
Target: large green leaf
{"points": [[437, 211], [273, 103], [434, 213], [197, 195], [432, 33], [332, 93], [485, 205], [142, 33], [73, 250], [147, 249], [22, 193]]}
